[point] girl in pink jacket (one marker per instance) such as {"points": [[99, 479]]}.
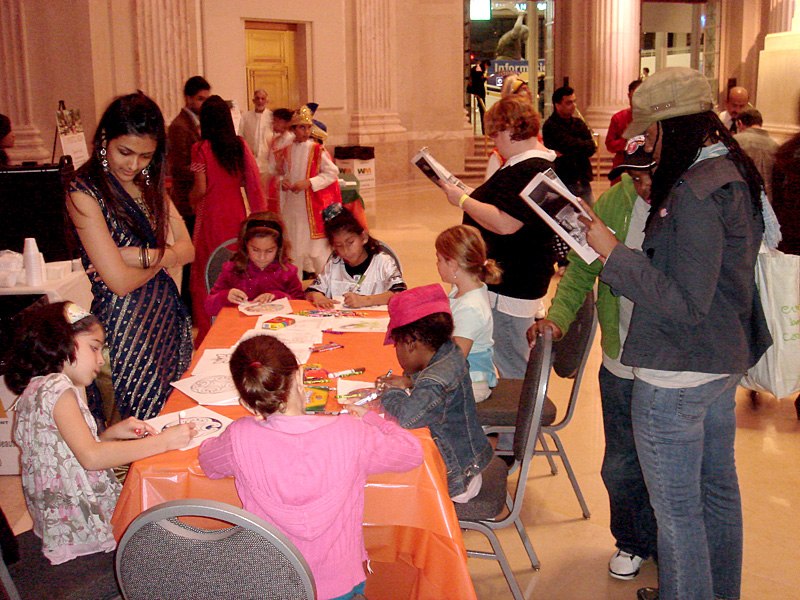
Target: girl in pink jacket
{"points": [[260, 271], [305, 473]]}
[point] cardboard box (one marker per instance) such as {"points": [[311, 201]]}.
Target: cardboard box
{"points": [[9, 453], [364, 170]]}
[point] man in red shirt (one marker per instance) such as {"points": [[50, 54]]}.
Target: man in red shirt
{"points": [[614, 140]]}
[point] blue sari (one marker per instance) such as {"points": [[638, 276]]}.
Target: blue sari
{"points": [[149, 330]]}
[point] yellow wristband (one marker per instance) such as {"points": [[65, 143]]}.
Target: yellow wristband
{"points": [[462, 200]]}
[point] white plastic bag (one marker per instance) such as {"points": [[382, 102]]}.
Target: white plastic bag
{"points": [[778, 281]]}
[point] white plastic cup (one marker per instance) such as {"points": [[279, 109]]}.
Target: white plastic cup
{"points": [[32, 259]]}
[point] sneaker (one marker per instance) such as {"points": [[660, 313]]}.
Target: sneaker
{"points": [[647, 594], [624, 565]]}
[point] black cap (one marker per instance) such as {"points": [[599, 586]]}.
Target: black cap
{"points": [[635, 158]]}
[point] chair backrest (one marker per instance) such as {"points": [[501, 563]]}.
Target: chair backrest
{"points": [[571, 353], [160, 556], [385, 247], [532, 398], [219, 257]]}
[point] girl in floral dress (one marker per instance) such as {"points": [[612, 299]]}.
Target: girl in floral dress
{"points": [[70, 489]]}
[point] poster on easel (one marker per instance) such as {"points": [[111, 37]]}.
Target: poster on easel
{"points": [[70, 132]]}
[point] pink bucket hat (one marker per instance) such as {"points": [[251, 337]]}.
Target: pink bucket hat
{"points": [[411, 305]]}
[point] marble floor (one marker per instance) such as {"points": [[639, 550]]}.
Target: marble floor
{"points": [[574, 551]]}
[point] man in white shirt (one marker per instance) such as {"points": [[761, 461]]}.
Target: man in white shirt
{"points": [[738, 100], [256, 129]]}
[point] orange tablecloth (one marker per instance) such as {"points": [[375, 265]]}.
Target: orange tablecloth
{"points": [[410, 526]]}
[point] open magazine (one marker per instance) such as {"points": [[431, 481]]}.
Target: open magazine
{"points": [[434, 170], [559, 208]]}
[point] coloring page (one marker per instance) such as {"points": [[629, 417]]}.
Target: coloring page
{"points": [[208, 388], [214, 361], [280, 306], [208, 423]]}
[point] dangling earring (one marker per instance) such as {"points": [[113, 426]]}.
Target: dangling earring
{"points": [[146, 173], [103, 160]]}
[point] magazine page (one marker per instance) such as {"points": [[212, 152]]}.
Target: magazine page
{"points": [[560, 209], [434, 170]]}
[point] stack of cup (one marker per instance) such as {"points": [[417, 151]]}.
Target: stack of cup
{"points": [[32, 260]]}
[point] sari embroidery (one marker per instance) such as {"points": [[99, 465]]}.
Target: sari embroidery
{"points": [[148, 331]]}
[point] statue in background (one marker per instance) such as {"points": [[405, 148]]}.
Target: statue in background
{"points": [[510, 45]]}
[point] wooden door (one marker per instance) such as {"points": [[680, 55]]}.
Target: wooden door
{"points": [[271, 63]]}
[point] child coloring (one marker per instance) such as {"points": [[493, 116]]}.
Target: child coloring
{"points": [[69, 488], [435, 390], [359, 271], [279, 460], [461, 261], [260, 271]]}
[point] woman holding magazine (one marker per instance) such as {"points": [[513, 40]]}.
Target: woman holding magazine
{"points": [[516, 237]]}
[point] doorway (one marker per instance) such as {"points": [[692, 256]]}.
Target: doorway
{"points": [[272, 62]]}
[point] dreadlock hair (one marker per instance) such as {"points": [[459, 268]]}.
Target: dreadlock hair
{"points": [[134, 114], [433, 330], [216, 126], [263, 370], [258, 225], [682, 139]]}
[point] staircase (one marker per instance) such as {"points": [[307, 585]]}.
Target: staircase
{"points": [[479, 147], [477, 155]]}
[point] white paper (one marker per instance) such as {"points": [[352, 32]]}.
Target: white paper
{"points": [[434, 170], [208, 423], [299, 343], [361, 324], [277, 307], [340, 300], [208, 388], [559, 209], [215, 361]]}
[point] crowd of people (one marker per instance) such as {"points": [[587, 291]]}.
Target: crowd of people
{"points": [[680, 316]]}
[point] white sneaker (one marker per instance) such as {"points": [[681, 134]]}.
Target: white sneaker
{"points": [[624, 565]]}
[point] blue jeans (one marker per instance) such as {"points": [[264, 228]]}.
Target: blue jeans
{"points": [[633, 523], [511, 349], [684, 438], [359, 589]]}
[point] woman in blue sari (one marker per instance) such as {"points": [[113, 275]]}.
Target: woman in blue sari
{"points": [[124, 220]]}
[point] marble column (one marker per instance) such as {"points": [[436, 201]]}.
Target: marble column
{"points": [[613, 60], [15, 96], [374, 118], [777, 65], [165, 50], [780, 15]]}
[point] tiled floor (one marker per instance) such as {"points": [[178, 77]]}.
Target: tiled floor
{"points": [[574, 551]]}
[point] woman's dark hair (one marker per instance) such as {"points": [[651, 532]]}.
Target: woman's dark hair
{"points": [[682, 139], [43, 341], [5, 129], [134, 114], [346, 222], [261, 224], [432, 330], [263, 370], [216, 126]]}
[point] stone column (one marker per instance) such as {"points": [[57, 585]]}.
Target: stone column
{"points": [[613, 58], [165, 50], [780, 15], [374, 118], [15, 96]]}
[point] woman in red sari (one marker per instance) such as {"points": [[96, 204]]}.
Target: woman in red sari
{"points": [[222, 164]]}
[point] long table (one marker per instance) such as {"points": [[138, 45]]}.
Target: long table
{"points": [[410, 526]]}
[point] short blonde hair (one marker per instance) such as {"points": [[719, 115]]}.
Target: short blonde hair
{"points": [[515, 114]]}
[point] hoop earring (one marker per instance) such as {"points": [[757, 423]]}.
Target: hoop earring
{"points": [[146, 173], [103, 159]]}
